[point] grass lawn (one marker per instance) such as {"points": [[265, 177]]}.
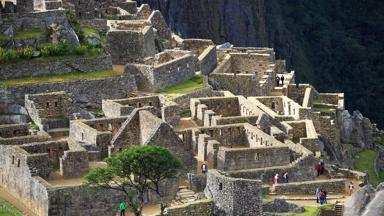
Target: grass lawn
{"points": [[196, 82], [365, 163], [9, 210], [60, 78], [310, 211]]}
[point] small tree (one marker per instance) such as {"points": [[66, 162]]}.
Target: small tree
{"points": [[135, 171]]}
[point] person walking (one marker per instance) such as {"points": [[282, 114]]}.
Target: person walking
{"points": [[275, 179], [317, 193], [282, 79], [286, 177], [350, 188], [204, 168], [322, 197], [318, 169], [122, 208], [325, 196], [322, 167], [277, 80]]}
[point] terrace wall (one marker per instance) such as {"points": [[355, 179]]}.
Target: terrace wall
{"points": [[43, 68]]}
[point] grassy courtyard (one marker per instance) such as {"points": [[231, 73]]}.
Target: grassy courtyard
{"points": [[61, 78], [196, 82], [310, 210], [365, 163]]}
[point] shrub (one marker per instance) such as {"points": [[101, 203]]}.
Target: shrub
{"points": [[11, 56], [63, 49], [81, 50], [2, 55], [45, 50], [26, 53]]}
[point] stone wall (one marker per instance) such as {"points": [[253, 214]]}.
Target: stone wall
{"points": [[330, 185], [165, 69], [250, 158], [184, 100], [99, 24], [131, 46], [82, 91], [206, 52], [196, 182], [14, 130], [195, 208], [34, 69], [234, 196], [121, 107]]}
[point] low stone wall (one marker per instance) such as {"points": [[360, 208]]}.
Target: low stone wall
{"points": [[331, 186], [184, 100], [34, 69], [82, 91], [196, 208]]}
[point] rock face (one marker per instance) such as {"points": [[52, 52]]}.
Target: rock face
{"points": [[356, 204], [356, 129], [279, 205]]}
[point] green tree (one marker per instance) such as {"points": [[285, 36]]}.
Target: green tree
{"points": [[135, 171]]}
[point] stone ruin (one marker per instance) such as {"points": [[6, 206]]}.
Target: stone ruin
{"points": [[243, 124]]}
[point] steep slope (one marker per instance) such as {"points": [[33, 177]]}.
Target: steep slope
{"points": [[335, 45]]}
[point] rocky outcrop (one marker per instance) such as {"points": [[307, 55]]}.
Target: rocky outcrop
{"points": [[280, 205], [356, 204], [356, 129]]}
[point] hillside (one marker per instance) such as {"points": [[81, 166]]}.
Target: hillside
{"points": [[334, 45]]}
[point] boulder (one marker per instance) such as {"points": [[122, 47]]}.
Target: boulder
{"points": [[356, 203], [356, 129], [280, 205]]}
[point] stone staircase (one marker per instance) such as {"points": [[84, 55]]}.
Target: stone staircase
{"points": [[184, 195], [339, 209]]}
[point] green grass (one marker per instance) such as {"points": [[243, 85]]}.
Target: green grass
{"points": [[93, 32], [60, 78], [33, 33], [317, 101], [9, 210], [325, 110], [3, 37], [51, 58], [365, 163], [310, 210], [197, 82]]}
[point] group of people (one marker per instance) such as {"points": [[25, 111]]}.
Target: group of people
{"points": [[276, 178], [321, 196], [320, 168], [280, 80]]}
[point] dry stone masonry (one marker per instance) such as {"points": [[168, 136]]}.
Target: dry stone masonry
{"points": [[244, 123]]}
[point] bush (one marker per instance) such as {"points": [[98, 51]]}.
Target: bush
{"points": [[63, 49], [81, 50], [26, 53], [11, 56], [2, 55], [45, 50]]}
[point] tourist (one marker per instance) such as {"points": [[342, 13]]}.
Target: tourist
{"points": [[275, 179], [322, 197], [317, 195], [322, 167], [350, 188], [286, 177], [282, 79], [318, 169], [204, 168], [277, 81], [122, 209], [325, 196]]}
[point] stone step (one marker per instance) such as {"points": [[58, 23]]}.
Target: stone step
{"points": [[185, 193], [58, 132], [329, 197], [182, 187]]}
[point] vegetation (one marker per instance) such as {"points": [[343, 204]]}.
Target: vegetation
{"points": [[48, 50], [149, 165], [365, 161], [310, 210], [185, 87], [86, 31], [7, 209], [61, 78], [33, 33]]}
